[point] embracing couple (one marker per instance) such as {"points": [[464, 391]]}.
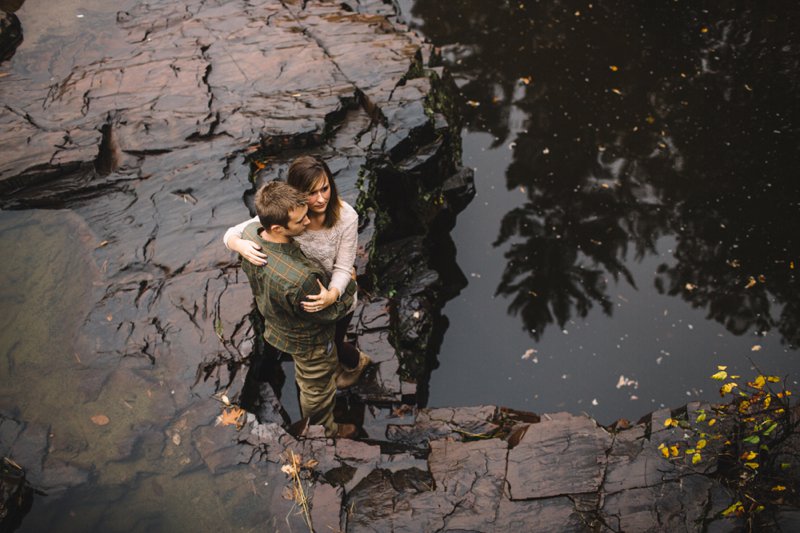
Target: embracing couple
{"points": [[299, 251]]}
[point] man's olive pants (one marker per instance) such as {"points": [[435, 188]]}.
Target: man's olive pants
{"points": [[314, 376]]}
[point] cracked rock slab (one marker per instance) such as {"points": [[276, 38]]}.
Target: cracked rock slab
{"points": [[563, 455]]}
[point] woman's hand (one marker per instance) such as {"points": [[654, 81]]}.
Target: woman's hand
{"points": [[320, 301], [248, 249]]}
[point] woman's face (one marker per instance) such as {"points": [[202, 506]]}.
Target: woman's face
{"points": [[319, 196]]}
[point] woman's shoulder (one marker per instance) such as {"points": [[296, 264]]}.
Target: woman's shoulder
{"points": [[347, 214], [250, 231]]}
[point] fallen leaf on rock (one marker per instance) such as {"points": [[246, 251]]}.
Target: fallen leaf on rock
{"points": [[100, 420], [232, 417]]}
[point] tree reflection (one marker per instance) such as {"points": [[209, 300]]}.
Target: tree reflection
{"points": [[640, 121]]}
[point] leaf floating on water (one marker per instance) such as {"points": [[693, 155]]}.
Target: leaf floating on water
{"points": [[613, 68], [528, 353], [100, 420], [690, 287], [473, 103], [719, 376], [756, 348], [703, 30], [526, 80], [627, 382], [616, 91], [750, 282]]}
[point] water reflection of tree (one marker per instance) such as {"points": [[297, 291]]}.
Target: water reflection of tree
{"points": [[642, 121]]}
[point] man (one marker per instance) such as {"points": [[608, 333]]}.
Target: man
{"points": [[280, 286]]}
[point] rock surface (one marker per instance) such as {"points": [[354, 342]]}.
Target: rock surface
{"points": [[152, 137]]}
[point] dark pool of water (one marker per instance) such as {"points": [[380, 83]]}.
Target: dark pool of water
{"points": [[637, 195]]}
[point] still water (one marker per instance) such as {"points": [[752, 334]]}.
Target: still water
{"points": [[637, 195]]}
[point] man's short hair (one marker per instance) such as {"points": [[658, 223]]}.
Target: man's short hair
{"points": [[273, 202]]}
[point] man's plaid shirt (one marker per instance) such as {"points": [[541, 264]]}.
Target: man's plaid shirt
{"points": [[279, 287]]}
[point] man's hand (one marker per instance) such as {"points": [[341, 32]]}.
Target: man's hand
{"points": [[248, 249], [320, 301]]}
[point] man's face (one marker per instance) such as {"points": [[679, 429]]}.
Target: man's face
{"points": [[298, 220]]}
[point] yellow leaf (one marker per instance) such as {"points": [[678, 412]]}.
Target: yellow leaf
{"points": [[778, 488], [744, 406], [701, 417], [701, 444], [696, 458], [616, 91], [734, 508], [756, 348], [750, 282], [670, 422], [473, 103], [773, 379], [754, 466], [673, 450], [650, 120], [703, 30], [712, 421], [767, 401], [721, 367], [664, 451], [749, 456], [727, 388], [719, 376], [613, 68], [526, 80], [758, 383]]}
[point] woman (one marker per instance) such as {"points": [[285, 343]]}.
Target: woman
{"points": [[331, 239]]}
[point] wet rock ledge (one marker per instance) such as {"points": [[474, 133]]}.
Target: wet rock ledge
{"points": [[153, 137]]}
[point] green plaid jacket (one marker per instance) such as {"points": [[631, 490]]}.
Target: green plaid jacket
{"points": [[279, 287]]}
